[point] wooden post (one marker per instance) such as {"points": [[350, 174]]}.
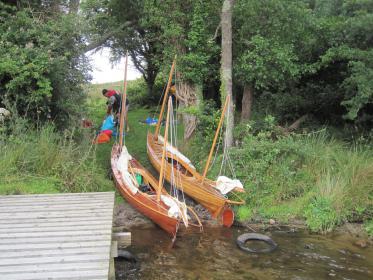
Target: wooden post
{"points": [[122, 238], [160, 183], [113, 254], [123, 106], [216, 137], [164, 99]]}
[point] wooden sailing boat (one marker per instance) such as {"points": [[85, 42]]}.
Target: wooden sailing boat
{"points": [[142, 190], [197, 186]]}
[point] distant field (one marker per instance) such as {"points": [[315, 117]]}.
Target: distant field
{"points": [[94, 90]]}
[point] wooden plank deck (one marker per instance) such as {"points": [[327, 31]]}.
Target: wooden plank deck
{"points": [[56, 236]]}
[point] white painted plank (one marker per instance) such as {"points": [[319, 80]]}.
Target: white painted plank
{"points": [[55, 199], [63, 233], [90, 194], [57, 206], [54, 239], [21, 220], [67, 229], [95, 213], [8, 247], [37, 227], [61, 267], [54, 252], [83, 274], [64, 210], [17, 202], [55, 259]]}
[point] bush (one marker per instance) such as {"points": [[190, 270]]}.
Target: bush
{"points": [[42, 66], [368, 226], [321, 215]]}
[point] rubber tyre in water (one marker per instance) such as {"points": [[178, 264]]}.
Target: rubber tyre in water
{"points": [[243, 238]]}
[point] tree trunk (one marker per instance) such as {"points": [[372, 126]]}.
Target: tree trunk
{"points": [[247, 103], [226, 66], [151, 75], [188, 97]]}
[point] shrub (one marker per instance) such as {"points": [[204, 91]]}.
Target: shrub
{"points": [[368, 226], [321, 215], [42, 66]]}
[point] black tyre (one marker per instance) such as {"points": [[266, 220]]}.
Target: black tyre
{"points": [[243, 238]]}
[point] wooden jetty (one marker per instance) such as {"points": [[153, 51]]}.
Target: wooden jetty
{"points": [[57, 236]]}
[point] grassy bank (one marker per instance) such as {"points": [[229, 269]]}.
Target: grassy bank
{"points": [[310, 176], [46, 161]]}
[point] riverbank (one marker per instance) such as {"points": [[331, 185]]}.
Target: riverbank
{"points": [[126, 218], [214, 254], [303, 179]]}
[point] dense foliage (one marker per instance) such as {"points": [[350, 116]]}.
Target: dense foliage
{"points": [[42, 66], [309, 176], [310, 57], [296, 57]]}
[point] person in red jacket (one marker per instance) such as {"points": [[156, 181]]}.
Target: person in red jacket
{"points": [[114, 104]]}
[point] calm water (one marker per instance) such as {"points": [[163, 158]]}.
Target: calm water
{"points": [[214, 255]]}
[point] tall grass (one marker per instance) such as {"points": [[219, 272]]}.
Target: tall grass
{"points": [[31, 157], [306, 176]]}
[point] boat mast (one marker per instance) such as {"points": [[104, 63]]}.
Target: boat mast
{"points": [[164, 99], [123, 105], [216, 137], [160, 184]]}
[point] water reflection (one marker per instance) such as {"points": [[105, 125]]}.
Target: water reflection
{"points": [[214, 255]]}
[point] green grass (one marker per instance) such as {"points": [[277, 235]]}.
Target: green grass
{"points": [[29, 186], [45, 161]]}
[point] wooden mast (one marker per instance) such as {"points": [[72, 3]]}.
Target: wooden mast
{"points": [[216, 137], [160, 184], [123, 105], [164, 99]]}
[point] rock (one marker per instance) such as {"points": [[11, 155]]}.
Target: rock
{"points": [[125, 215], [361, 243], [309, 246], [272, 222]]}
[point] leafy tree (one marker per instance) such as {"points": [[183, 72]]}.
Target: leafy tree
{"points": [[305, 57], [186, 32], [41, 66], [266, 40]]}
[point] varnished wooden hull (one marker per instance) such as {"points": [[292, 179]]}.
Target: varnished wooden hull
{"points": [[191, 184], [144, 203]]}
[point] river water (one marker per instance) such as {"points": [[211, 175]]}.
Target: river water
{"points": [[214, 254]]}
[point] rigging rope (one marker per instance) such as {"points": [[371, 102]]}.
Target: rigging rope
{"points": [[159, 101], [175, 178], [226, 161]]}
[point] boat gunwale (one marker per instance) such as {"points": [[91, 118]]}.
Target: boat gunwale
{"points": [[151, 205]]}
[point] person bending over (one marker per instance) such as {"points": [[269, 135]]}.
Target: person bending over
{"points": [[114, 105]]}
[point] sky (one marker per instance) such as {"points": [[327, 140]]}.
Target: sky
{"points": [[103, 71]]}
